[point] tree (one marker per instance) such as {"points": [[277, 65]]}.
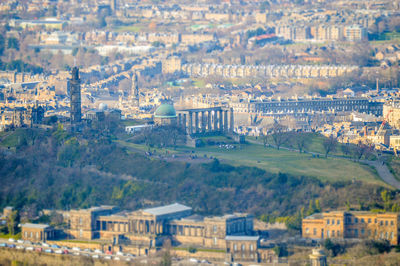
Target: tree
{"points": [[329, 145], [361, 150], [301, 141], [279, 134], [166, 257], [12, 222]]}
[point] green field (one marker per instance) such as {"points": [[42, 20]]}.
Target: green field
{"points": [[132, 28], [275, 161]]}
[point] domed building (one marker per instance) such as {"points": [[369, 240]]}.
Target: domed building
{"points": [[165, 114]]}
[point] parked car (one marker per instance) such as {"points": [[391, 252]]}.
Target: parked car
{"points": [[117, 258], [76, 249], [119, 253], [11, 240], [95, 256], [109, 252], [107, 257], [30, 249], [20, 247], [55, 246], [98, 251], [39, 249], [65, 251], [87, 250], [11, 245], [58, 251], [3, 245], [128, 259], [45, 245], [49, 250], [20, 241]]}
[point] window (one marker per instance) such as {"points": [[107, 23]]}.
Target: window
{"points": [[362, 231], [333, 233], [215, 241], [243, 247], [307, 230], [369, 232], [386, 222], [381, 235], [333, 221], [37, 235], [356, 232], [215, 228], [369, 220], [338, 222], [386, 235], [355, 220], [327, 221], [80, 220], [391, 223], [391, 235], [327, 233], [235, 247], [26, 234], [31, 234], [376, 220], [381, 222], [362, 220], [315, 231], [251, 246], [338, 233]]}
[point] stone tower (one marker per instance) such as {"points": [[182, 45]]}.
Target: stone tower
{"points": [[135, 90], [75, 92]]}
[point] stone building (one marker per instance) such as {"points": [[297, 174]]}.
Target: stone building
{"points": [[37, 232], [147, 230], [165, 114], [352, 225]]}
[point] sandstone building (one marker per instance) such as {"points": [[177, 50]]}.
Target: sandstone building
{"points": [[352, 225]]}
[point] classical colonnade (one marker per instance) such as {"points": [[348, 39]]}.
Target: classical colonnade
{"points": [[141, 226], [206, 120]]}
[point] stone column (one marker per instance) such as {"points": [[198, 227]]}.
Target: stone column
{"points": [[215, 116], [184, 123], [203, 121], [190, 122], [225, 121], [231, 122], [196, 122], [209, 129], [221, 122], [179, 120]]}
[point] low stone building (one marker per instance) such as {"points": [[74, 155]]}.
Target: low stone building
{"points": [[37, 232]]}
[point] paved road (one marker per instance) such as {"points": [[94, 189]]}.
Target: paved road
{"points": [[384, 172], [382, 169]]}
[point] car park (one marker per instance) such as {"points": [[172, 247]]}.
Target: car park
{"points": [[55, 246], [20, 241], [98, 251], [39, 249], [11, 245], [76, 249], [107, 257], [119, 253], [45, 245], [117, 258], [3, 245]]}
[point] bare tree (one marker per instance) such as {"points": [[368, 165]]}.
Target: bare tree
{"points": [[301, 141], [279, 134], [361, 149], [329, 145]]}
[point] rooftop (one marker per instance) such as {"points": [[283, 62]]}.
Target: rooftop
{"points": [[38, 226], [242, 238], [168, 209]]}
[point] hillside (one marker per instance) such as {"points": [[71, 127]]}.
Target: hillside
{"points": [[54, 169]]}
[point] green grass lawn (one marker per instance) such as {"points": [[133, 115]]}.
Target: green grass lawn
{"points": [[132, 28], [276, 161]]}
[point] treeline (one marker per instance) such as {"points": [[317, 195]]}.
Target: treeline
{"points": [[55, 169]]}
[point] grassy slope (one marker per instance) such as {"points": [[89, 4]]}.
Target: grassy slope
{"points": [[275, 161]]}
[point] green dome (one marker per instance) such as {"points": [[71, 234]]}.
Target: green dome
{"points": [[165, 110]]}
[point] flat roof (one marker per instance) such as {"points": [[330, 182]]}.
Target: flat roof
{"points": [[38, 226], [168, 209], [242, 238]]}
